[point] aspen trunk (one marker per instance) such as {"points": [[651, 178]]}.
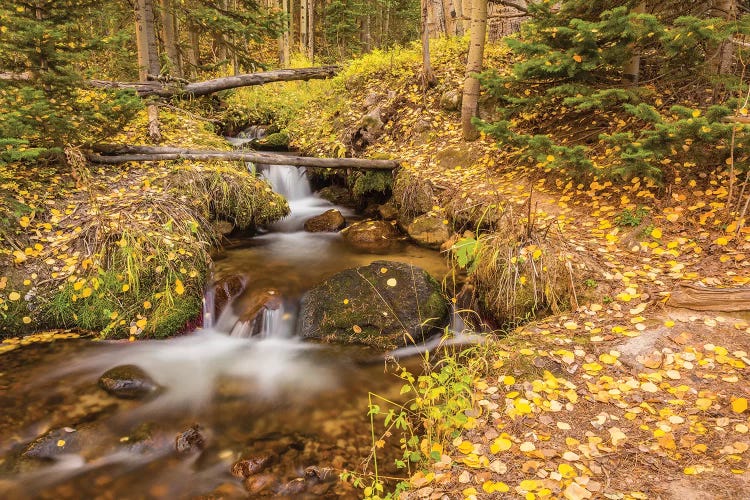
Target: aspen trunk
{"points": [[428, 76], [284, 37], [470, 101], [364, 35], [303, 26], [148, 57], [311, 30], [169, 36], [459, 9], [194, 51], [450, 17], [632, 69]]}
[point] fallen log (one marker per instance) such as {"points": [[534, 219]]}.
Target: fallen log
{"points": [[174, 88], [114, 155], [710, 299]]}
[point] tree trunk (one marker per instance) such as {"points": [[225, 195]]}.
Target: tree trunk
{"points": [[303, 26], [148, 57], [311, 30], [284, 37], [470, 101], [160, 89], [169, 36], [194, 51], [632, 69], [114, 155], [451, 21], [365, 35], [428, 76], [459, 9], [438, 18], [722, 56]]}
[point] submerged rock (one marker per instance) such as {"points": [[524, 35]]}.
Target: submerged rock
{"points": [[428, 231], [251, 466], [190, 440], [384, 305], [127, 382], [371, 236], [329, 221], [259, 483], [55, 443]]}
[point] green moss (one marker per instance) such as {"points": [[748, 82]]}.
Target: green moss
{"points": [[275, 142], [372, 182]]}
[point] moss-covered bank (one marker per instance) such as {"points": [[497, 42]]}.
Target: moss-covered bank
{"points": [[120, 250]]}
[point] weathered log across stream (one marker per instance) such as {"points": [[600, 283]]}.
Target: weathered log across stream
{"points": [[161, 88], [113, 155]]}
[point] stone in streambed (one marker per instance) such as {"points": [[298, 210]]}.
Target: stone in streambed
{"points": [[192, 440], [384, 305], [329, 221], [127, 382], [259, 483], [428, 231], [54, 443], [375, 236], [251, 466]]}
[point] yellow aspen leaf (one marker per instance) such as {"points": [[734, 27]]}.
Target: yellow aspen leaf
{"points": [[391, 282], [466, 447], [500, 444], [60, 443], [125, 287], [357, 329], [575, 491], [26, 320], [721, 241], [656, 233], [570, 325], [537, 253], [607, 359], [179, 288], [141, 323], [147, 305], [86, 292], [739, 405], [509, 380], [577, 58], [696, 113], [529, 485], [673, 217], [14, 296]]}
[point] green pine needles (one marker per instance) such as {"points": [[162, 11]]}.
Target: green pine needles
{"points": [[570, 102]]}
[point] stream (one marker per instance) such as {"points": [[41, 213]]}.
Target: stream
{"points": [[294, 409]]}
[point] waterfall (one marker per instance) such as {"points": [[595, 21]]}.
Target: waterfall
{"points": [[290, 182]]}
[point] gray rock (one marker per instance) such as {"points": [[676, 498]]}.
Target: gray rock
{"points": [[54, 443], [337, 195], [450, 100], [329, 221], [428, 231], [384, 305], [127, 382]]}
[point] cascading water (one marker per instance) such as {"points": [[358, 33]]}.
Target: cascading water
{"points": [[253, 386]]}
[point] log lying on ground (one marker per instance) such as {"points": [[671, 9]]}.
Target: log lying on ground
{"points": [[114, 155], [710, 299], [169, 89]]}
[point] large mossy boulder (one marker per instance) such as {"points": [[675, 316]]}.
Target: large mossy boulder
{"points": [[384, 305]]}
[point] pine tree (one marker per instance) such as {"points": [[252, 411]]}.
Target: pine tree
{"points": [[568, 87], [45, 109]]}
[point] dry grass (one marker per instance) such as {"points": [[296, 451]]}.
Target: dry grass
{"points": [[522, 270]]}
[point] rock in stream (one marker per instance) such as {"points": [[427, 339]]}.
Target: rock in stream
{"points": [[384, 305]]}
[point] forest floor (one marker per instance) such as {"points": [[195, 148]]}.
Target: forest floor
{"points": [[623, 397]]}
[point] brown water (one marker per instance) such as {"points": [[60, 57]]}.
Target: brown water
{"points": [[297, 404]]}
